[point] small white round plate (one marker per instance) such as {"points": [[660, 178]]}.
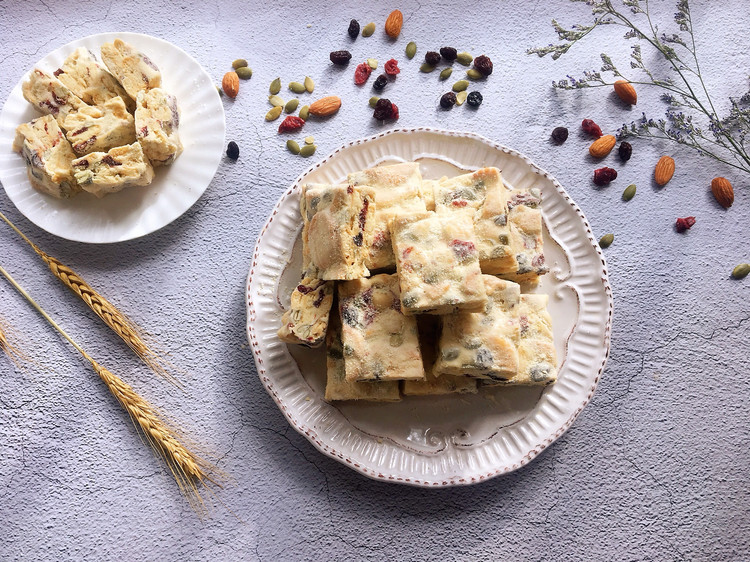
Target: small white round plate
{"points": [[136, 211], [442, 440]]}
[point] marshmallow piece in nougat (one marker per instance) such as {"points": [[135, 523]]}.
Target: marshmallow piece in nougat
{"points": [[133, 69], [102, 173], [97, 129], [50, 96], [306, 320], [157, 119]]}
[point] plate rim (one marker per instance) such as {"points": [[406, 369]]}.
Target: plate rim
{"points": [[330, 451]]}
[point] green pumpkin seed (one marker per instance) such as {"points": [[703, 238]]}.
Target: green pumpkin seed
{"points": [[291, 105], [297, 88], [461, 97], [307, 150], [464, 58], [221, 92], [239, 63], [274, 113], [374, 101], [474, 74], [245, 72], [275, 86], [309, 85], [276, 101], [368, 30], [411, 50], [460, 86], [606, 240], [304, 113], [372, 63], [426, 67], [446, 73], [741, 271], [292, 146], [629, 192], [310, 140]]}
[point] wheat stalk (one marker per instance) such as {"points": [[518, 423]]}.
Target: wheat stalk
{"points": [[188, 469], [12, 351], [128, 331]]}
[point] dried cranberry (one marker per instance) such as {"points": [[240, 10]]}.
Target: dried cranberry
{"points": [[483, 64], [394, 111], [340, 57], [603, 176], [464, 250], [233, 151], [391, 67], [448, 53], [474, 99], [448, 100], [560, 134], [380, 82], [625, 151], [383, 109], [109, 161], [684, 224], [353, 30], [362, 73], [304, 289], [591, 128], [432, 58], [291, 123]]}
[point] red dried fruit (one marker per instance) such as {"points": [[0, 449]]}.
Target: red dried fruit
{"points": [[391, 67], [383, 109], [603, 176], [684, 224], [291, 123], [463, 249], [394, 111], [362, 73], [591, 128], [483, 64], [304, 289]]}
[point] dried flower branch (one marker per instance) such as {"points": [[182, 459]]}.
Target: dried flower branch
{"points": [[125, 328], [188, 469], [723, 139]]}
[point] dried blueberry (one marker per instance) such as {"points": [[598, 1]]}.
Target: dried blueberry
{"points": [[448, 53], [560, 134], [625, 151], [340, 57], [432, 58], [474, 99], [483, 64], [448, 100], [380, 83], [383, 109], [233, 151], [353, 30]]}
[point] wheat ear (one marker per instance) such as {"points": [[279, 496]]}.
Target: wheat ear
{"points": [[130, 333], [7, 347], [189, 470]]}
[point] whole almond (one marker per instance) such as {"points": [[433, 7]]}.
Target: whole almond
{"points": [[723, 191], [393, 23], [664, 170], [231, 84], [325, 106], [602, 146], [626, 92]]}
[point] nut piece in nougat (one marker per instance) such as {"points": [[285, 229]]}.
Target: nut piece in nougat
{"points": [[337, 225], [380, 343], [537, 359], [97, 129], [156, 122], [397, 191], [438, 263], [306, 321], [483, 344], [50, 96], [102, 173], [89, 80], [133, 69], [48, 157], [525, 221]]}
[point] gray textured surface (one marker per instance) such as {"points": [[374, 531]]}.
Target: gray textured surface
{"points": [[654, 469]]}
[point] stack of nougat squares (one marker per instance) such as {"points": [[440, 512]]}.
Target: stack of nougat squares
{"points": [[415, 285]]}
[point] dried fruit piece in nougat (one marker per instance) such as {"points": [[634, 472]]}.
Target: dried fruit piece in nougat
{"points": [[156, 122], [97, 129], [537, 359], [483, 344], [102, 173], [133, 69], [337, 224], [48, 157], [89, 80], [438, 263], [50, 96], [396, 191], [306, 321], [380, 343], [525, 221]]}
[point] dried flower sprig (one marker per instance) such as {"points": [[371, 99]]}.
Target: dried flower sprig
{"points": [[191, 472], [125, 328], [686, 93]]}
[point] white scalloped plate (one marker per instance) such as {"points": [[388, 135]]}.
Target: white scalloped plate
{"points": [[444, 440], [136, 211]]}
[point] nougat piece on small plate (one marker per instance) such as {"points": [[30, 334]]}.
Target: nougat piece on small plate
{"points": [[306, 320], [397, 191], [157, 119], [337, 225], [525, 222], [437, 263], [89, 80], [48, 157], [337, 387], [97, 129], [483, 344], [380, 343], [537, 359], [50, 96], [102, 173], [428, 326], [133, 69]]}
